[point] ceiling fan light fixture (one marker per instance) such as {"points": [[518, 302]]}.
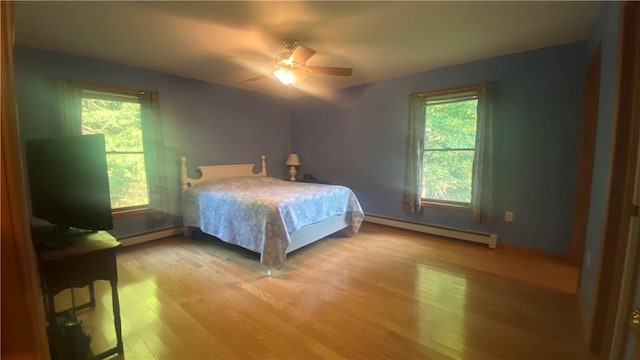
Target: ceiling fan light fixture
{"points": [[290, 76], [290, 68], [284, 59]]}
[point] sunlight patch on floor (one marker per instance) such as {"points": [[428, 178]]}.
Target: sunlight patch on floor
{"points": [[442, 299]]}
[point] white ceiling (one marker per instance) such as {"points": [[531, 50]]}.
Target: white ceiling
{"points": [[225, 42]]}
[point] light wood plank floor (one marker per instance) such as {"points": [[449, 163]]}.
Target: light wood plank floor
{"points": [[383, 294]]}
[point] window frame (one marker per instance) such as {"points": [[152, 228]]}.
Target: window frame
{"points": [[438, 97], [100, 92]]}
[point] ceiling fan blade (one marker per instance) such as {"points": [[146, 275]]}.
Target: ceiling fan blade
{"points": [[330, 70], [301, 54], [256, 78]]}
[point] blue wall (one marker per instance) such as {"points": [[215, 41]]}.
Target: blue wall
{"points": [[210, 124], [605, 31], [358, 139]]}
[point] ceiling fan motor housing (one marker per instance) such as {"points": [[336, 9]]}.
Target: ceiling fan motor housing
{"points": [[290, 44]]}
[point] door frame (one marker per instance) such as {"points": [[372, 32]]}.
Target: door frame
{"points": [[610, 328], [588, 131], [23, 319]]}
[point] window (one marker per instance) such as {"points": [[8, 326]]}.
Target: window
{"points": [[449, 148], [449, 154], [117, 115]]}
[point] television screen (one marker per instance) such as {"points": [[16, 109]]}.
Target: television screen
{"points": [[68, 181]]}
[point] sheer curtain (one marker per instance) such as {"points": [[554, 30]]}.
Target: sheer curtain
{"points": [[70, 107], [412, 199], [482, 177], [155, 164], [482, 185]]}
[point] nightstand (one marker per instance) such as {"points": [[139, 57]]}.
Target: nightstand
{"points": [[315, 181]]}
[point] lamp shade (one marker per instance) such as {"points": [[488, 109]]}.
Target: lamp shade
{"points": [[293, 160]]}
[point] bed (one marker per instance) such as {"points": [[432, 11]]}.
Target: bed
{"points": [[270, 216]]}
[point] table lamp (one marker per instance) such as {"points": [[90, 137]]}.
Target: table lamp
{"points": [[293, 161]]}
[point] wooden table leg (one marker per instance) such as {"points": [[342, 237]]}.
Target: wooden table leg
{"points": [[92, 296], [116, 314], [51, 309]]}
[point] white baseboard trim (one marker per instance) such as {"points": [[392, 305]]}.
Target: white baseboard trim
{"points": [[150, 236], [467, 235]]}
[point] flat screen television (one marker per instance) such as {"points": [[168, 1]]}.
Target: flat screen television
{"points": [[69, 182]]}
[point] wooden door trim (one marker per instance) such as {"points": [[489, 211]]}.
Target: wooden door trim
{"points": [[615, 236], [16, 238], [586, 155], [631, 263]]}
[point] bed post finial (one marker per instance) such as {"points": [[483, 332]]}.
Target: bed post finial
{"points": [[263, 165], [183, 172]]}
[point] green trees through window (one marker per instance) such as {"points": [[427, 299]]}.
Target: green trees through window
{"points": [[449, 146], [121, 124]]}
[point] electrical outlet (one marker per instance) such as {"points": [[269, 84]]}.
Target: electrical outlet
{"points": [[508, 216]]}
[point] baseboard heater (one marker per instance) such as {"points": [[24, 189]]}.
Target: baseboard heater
{"points": [[473, 236]]}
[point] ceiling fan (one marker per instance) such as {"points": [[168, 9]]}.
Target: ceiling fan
{"points": [[290, 66]]}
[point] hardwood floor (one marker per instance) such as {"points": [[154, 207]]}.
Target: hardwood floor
{"points": [[383, 294]]}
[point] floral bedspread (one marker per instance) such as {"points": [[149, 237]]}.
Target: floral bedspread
{"points": [[258, 213]]}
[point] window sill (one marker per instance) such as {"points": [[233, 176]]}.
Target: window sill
{"points": [[448, 206], [121, 213]]}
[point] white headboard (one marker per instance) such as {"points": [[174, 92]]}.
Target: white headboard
{"points": [[210, 172]]}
